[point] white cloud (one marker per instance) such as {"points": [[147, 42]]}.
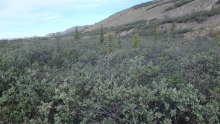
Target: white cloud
{"points": [[38, 13], [43, 9], [38, 8], [28, 5]]}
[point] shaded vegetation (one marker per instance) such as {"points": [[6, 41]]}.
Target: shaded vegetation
{"points": [[195, 16], [218, 2], [179, 4], [159, 4]]}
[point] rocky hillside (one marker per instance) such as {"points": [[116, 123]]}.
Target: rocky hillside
{"points": [[193, 14]]}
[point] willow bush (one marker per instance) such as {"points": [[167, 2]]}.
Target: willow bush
{"points": [[57, 81]]}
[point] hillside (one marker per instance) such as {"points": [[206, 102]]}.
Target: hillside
{"points": [[70, 30], [169, 9], [199, 17]]}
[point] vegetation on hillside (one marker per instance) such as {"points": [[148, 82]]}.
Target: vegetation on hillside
{"points": [[101, 35], [136, 41], [179, 4], [199, 16], [159, 4], [76, 34], [110, 42], [119, 40], [153, 4]]}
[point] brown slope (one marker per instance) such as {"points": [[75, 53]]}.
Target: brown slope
{"points": [[132, 15], [158, 9]]}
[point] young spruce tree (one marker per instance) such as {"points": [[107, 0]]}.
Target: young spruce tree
{"points": [[136, 41], [213, 7], [110, 45], [76, 33], [101, 34], [119, 40], [35, 40]]}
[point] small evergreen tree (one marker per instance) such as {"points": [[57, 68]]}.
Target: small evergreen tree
{"points": [[101, 34], [110, 37], [119, 40], [76, 33], [155, 33], [213, 7], [136, 41], [35, 40]]}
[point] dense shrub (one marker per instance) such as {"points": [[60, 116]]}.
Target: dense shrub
{"points": [[132, 99], [64, 81], [23, 94]]}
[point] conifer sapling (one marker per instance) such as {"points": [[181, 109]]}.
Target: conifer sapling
{"points": [[101, 40], [110, 37]]}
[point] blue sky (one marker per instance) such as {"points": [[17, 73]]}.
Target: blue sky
{"points": [[24, 18]]}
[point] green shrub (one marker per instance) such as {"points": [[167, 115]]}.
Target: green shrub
{"points": [[25, 94], [160, 4], [57, 82], [128, 103], [179, 4], [195, 16]]}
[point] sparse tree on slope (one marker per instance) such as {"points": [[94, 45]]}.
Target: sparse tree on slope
{"points": [[76, 33], [136, 41], [119, 40], [110, 38], [101, 40], [213, 7], [35, 40]]}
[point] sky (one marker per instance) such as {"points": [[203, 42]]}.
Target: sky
{"points": [[26, 18]]}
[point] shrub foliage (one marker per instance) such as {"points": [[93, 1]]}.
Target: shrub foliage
{"points": [[60, 81]]}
